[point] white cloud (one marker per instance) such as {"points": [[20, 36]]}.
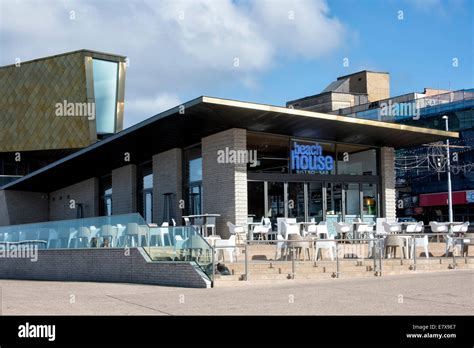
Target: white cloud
{"points": [[146, 107], [175, 47]]}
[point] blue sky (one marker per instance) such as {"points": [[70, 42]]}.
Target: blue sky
{"points": [[267, 51]]}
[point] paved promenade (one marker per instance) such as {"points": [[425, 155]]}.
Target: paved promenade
{"points": [[446, 293]]}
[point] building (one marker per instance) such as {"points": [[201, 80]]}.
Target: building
{"points": [[230, 158], [347, 91], [51, 107], [421, 187], [307, 165]]}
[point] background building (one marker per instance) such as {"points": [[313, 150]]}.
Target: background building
{"points": [[421, 182]]}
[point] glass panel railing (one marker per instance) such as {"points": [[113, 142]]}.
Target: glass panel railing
{"points": [[180, 243], [115, 231], [177, 244]]}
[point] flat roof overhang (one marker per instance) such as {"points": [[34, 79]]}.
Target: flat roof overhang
{"points": [[186, 124]]}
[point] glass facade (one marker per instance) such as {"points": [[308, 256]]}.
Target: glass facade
{"points": [[308, 179], [105, 92]]}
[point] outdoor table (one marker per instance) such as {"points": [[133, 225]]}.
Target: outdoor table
{"points": [[212, 240], [199, 216], [250, 229]]}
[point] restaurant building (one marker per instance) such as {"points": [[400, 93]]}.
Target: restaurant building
{"points": [[224, 157]]}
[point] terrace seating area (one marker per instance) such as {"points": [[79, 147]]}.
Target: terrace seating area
{"points": [[286, 238], [279, 244]]}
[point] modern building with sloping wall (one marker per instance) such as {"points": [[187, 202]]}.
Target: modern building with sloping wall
{"points": [[53, 106]]}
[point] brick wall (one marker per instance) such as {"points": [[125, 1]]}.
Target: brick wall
{"points": [[387, 166], [101, 265], [124, 190], [85, 192], [21, 207], [224, 184], [167, 178]]}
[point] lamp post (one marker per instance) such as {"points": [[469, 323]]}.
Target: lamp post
{"points": [[450, 195]]}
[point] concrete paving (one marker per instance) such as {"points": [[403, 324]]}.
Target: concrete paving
{"points": [[443, 293]]}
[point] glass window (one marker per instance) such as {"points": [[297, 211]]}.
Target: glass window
{"points": [[315, 201], [105, 90], [145, 191], [105, 195], [296, 201], [192, 181], [354, 160], [352, 200], [276, 200], [256, 199], [195, 170], [272, 152], [370, 201]]}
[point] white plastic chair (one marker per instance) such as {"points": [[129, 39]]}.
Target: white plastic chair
{"points": [[281, 247], [238, 231], [228, 246], [290, 228], [210, 223], [341, 229], [437, 227], [419, 241], [321, 244], [453, 243], [392, 227]]}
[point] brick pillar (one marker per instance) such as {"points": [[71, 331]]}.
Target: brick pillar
{"points": [[224, 184], [124, 190], [167, 177], [387, 167]]}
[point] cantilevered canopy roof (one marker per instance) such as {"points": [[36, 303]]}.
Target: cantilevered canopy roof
{"points": [[186, 124]]}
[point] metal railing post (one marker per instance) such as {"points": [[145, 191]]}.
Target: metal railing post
{"points": [[213, 267], [414, 252], [454, 249], [292, 261], [246, 276], [380, 256], [374, 256], [337, 260]]}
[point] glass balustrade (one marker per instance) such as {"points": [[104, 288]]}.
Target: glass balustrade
{"points": [[172, 244]]}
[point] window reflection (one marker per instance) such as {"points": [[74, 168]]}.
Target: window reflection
{"points": [[105, 92]]}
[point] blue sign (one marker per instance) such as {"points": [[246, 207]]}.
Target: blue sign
{"points": [[309, 159]]}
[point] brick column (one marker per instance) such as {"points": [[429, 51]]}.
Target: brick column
{"points": [[124, 190], [387, 167], [224, 184], [167, 178]]}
